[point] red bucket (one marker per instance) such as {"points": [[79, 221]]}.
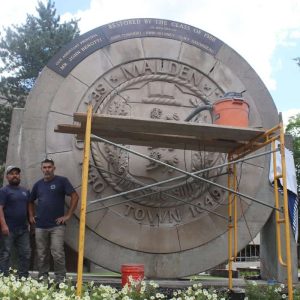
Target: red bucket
{"points": [[231, 112], [134, 271]]}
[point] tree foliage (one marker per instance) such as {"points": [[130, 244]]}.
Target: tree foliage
{"points": [[24, 50], [293, 128], [297, 59]]}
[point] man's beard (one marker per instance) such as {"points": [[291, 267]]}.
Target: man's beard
{"points": [[14, 182]]}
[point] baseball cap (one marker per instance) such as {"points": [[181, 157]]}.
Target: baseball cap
{"points": [[10, 168], [48, 160]]}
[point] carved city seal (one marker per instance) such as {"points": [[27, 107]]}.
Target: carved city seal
{"points": [[156, 89]]}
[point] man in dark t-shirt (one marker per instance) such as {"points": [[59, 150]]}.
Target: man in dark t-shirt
{"points": [[50, 218], [14, 201]]}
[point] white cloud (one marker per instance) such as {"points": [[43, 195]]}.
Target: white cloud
{"points": [[289, 113], [253, 28], [14, 12], [295, 34]]}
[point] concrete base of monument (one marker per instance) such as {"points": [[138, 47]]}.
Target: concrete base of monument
{"points": [[114, 279]]}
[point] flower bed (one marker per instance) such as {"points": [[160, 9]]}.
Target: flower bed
{"points": [[12, 288]]}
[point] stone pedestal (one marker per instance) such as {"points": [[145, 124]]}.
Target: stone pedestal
{"points": [[14, 154], [269, 264]]}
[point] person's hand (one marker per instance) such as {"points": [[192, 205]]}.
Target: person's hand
{"points": [[32, 220], [4, 229], [62, 220]]}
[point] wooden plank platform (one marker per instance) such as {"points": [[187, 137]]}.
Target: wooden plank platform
{"points": [[165, 134]]}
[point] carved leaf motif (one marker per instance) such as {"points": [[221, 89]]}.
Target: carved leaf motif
{"points": [[173, 116], [117, 158], [113, 79], [195, 101], [156, 113], [164, 156], [118, 107]]}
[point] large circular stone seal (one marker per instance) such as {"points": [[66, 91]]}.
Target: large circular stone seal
{"points": [[152, 69]]}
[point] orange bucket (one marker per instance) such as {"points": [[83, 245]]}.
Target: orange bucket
{"points": [[136, 272], [231, 112]]}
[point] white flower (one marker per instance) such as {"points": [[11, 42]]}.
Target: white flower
{"points": [[62, 285], [12, 278], [283, 296]]}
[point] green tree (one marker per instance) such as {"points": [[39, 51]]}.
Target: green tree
{"points": [[293, 128], [24, 50]]}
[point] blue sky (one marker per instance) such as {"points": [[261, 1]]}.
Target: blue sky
{"points": [[71, 6], [287, 76], [266, 33]]}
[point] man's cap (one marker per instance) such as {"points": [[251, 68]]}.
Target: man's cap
{"points": [[47, 160], [10, 168]]}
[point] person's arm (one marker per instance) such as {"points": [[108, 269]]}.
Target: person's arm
{"points": [[31, 212], [4, 227], [31, 205], [73, 204]]}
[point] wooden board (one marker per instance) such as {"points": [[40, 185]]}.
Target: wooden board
{"points": [[166, 134]]}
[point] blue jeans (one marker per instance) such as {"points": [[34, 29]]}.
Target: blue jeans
{"points": [[20, 239], [53, 239]]}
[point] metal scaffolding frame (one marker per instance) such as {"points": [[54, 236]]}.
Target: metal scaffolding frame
{"points": [[235, 155], [281, 214]]}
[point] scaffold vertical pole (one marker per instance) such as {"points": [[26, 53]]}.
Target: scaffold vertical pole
{"points": [[85, 170], [235, 213], [286, 215], [230, 227], [279, 220]]}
